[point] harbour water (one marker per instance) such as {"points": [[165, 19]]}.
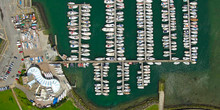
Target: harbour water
{"points": [[56, 10]]}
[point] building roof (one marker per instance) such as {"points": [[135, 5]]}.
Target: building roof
{"points": [[53, 83]]}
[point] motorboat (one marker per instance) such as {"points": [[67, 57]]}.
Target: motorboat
{"points": [[110, 54], [74, 46], [99, 59], [85, 54], [108, 29], [85, 21], [73, 42], [74, 51], [85, 50], [86, 33], [74, 37], [85, 45], [85, 37], [85, 59], [72, 12], [73, 17], [85, 29]]}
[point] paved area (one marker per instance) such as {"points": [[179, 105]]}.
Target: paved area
{"points": [[8, 7]]}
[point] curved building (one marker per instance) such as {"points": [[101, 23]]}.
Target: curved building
{"points": [[53, 83]]}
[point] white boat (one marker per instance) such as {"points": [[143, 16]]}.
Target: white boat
{"points": [[85, 18], [85, 21], [73, 33], [86, 14], [71, 3], [109, 34], [72, 12], [110, 9], [109, 6], [109, 25], [73, 7], [85, 54], [85, 50], [109, 21], [86, 25], [108, 2], [86, 6], [74, 37], [74, 46], [86, 33], [109, 41], [85, 10], [109, 46], [74, 51], [109, 13], [72, 59], [85, 37], [73, 42], [110, 54], [72, 24], [121, 58], [85, 29], [99, 59], [73, 17], [85, 59], [85, 45], [72, 28], [110, 58], [108, 29]]}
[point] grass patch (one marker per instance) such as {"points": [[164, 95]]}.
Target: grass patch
{"points": [[46, 32], [24, 102], [153, 107], [68, 105], [27, 105], [7, 101], [161, 85]]}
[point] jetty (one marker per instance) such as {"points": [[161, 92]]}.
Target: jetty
{"points": [[170, 51], [190, 46], [123, 76], [80, 32], [101, 78], [115, 30], [145, 34], [116, 61]]}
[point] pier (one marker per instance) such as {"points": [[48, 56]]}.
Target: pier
{"points": [[142, 73], [145, 34], [190, 46], [115, 30], [80, 31], [123, 76], [168, 1], [101, 78], [114, 61]]}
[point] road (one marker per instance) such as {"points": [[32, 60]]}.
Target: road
{"points": [[8, 7], [161, 100]]}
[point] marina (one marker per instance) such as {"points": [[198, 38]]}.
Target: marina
{"points": [[115, 49], [101, 58]]}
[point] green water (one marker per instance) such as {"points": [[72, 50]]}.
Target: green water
{"points": [[56, 13]]}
